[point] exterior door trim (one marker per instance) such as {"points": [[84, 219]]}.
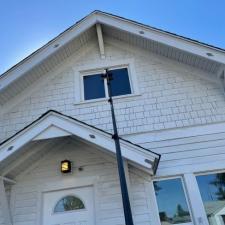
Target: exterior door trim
{"points": [[71, 182]]}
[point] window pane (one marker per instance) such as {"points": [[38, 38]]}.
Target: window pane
{"points": [[120, 85], [212, 189], [93, 87], [171, 202], [68, 203]]}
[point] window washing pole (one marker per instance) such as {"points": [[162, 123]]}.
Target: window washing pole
{"points": [[123, 184]]}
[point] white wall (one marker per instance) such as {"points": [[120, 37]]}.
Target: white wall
{"points": [[1, 217], [172, 95], [186, 150], [26, 201]]}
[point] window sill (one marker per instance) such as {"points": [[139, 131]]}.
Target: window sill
{"points": [[105, 99]]}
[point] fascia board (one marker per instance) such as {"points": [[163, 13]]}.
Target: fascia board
{"points": [[162, 37]]}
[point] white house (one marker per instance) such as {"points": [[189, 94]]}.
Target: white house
{"points": [[170, 110]]}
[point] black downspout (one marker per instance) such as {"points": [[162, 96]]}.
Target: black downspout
{"points": [[122, 177]]}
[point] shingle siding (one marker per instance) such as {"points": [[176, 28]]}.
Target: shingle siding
{"points": [[109, 203], [172, 95]]}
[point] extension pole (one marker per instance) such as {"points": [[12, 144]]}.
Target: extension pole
{"points": [[123, 184]]}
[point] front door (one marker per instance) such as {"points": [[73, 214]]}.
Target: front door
{"points": [[69, 207]]}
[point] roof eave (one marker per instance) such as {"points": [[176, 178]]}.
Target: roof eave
{"points": [[133, 27], [132, 152], [164, 37], [45, 51]]}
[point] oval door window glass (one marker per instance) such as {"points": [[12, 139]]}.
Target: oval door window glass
{"points": [[68, 203], [212, 189], [171, 200]]}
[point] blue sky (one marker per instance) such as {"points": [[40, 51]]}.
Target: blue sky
{"points": [[26, 25]]}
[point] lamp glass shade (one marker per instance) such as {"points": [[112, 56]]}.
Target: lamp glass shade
{"points": [[66, 166]]}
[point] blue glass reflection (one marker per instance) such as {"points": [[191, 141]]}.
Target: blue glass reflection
{"points": [[171, 202], [93, 87], [120, 84], [212, 189]]}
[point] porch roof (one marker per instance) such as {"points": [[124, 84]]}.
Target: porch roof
{"points": [[53, 124]]}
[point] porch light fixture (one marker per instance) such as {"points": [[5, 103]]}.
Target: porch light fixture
{"points": [[66, 166]]}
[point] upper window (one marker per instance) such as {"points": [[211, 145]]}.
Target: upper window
{"points": [[68, 203], [171, 200], [95, 86], [212, 189]]}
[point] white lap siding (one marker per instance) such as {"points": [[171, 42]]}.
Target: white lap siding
{"points": [[26, 201], [194, 149]]}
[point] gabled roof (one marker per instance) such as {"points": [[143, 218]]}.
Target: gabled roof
{"points": [[193, 47], [53, 124]]}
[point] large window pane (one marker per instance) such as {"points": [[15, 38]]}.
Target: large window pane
{"points": [[120, 84], [93, 87], [212, 189], [171, 202]]}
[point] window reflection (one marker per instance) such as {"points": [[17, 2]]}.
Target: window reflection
{"points": [[212, 189], [171, 202], [68, 203], [93, 87], [120, 84]]}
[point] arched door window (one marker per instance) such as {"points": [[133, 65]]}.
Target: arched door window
{"points": [[68, 203]]}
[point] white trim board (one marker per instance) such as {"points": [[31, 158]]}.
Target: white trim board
{"points": [[193, 168], [98, 67], [166, 38], [176, 133]]}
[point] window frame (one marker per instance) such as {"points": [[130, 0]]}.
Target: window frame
{"points": [[69, 211], [100, 70], [209, 172], [91, 73], [185, 195], [94, 66], [205, 173]]}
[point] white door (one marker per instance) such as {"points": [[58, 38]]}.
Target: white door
{"points": [[69, 207]]}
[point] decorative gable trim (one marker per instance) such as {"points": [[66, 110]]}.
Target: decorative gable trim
{"points": [[54, 124]]}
